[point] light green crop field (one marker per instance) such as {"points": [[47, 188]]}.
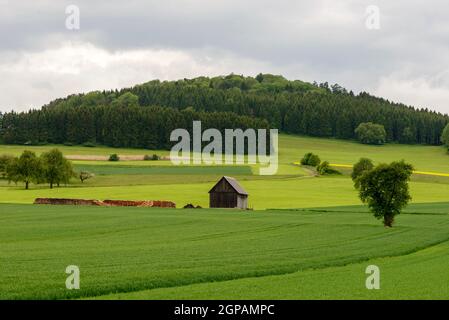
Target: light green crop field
{"points": [[308, 237], [284, 192], [124, 250]]}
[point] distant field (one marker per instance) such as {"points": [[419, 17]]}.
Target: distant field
{"points": [[284, 192], [276, 251], [291, 149], [177, 170], [123, 250], [424, 158]]}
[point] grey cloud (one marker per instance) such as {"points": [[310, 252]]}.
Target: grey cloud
{"points": [[322, 40]]}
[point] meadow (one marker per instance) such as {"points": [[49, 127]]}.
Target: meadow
{"points": [[308, 237], [137, 250]]}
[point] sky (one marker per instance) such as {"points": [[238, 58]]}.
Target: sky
{"points": [[398, 49]]}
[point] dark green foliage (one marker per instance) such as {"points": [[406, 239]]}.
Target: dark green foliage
{"points": [[445, 136], [324, 168], [5, 160], [27, 168], [56, 169], [371, 133], [154, 157], [385, 189], [310, 159], [364, 164], [144, 116], [114, 157], [89, 144]]}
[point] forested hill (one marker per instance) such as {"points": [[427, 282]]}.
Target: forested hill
{"points": [[144, 115]]}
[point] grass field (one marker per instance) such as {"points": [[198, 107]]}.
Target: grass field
{"points": [[123, 250], [307, 238]]}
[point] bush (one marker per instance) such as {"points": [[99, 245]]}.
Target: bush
{"points": [[371, 133], [154, 157], [114, 157], [324, 168], [35, 143], [89, 144], [310, 159]]}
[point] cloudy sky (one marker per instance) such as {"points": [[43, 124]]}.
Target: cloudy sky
{"points": [[122, 43]]}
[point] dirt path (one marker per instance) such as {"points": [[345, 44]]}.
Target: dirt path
{"points": [[106, 158]]}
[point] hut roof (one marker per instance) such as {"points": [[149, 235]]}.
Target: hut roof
{"points": [[233, 183]]}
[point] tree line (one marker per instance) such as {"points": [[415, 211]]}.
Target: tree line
{"points": [[114, 125], [144, 115], [51, 167]]}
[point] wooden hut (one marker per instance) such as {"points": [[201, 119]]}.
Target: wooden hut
{"points": [[227, 193]]}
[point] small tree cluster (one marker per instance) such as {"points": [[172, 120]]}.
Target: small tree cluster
{"points": [[154, 157], [371, 133], [310, 159], [114, 157], [384, 187], [51, 167], [324, 168]]}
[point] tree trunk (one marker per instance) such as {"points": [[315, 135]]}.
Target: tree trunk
{"points": [[51, 185], [27, 183], [388, 221]]}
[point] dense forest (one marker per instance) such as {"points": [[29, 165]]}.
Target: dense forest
{"points": [[144, 115]]}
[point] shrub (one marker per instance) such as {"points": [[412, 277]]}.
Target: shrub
{"points": [[310, 159], [89, 144], [154, 157], [324, 168], [114, 157], [371, 133]]}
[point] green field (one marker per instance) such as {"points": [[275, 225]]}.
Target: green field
{"points": [[308, 237], [122, 250]]}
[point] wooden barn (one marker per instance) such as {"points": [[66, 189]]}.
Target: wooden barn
{"points": [[227, 193]]}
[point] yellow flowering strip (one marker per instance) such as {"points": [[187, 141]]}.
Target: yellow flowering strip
{"points": [[427, 173]]}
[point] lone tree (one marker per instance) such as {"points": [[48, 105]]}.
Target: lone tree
{"points": [[371, 133], [84, 175], [27, 168], [385, 189], [445, 136], [56, 168], [363, 165]]}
